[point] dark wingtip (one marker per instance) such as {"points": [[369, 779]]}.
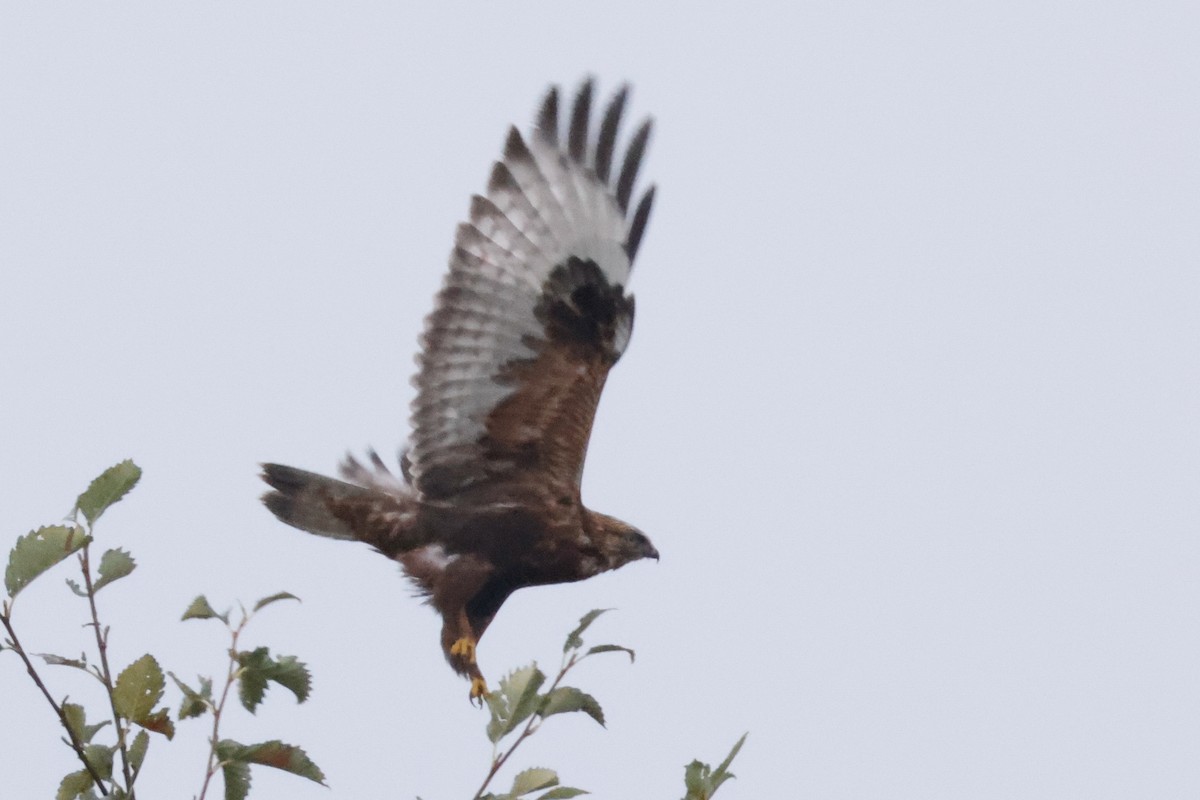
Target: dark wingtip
{"points": [[581, 112], [547, 118], [633, 160], [607, 141], [637, 228]]}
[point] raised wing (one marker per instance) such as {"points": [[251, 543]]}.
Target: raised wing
{"points": [[533, 312]]}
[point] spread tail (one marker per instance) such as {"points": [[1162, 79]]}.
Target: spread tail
{"points": [[340, 510]]}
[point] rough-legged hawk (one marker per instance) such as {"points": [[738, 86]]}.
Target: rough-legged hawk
{"points": [[530, 319]]}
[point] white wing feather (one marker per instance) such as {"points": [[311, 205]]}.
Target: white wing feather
{"points": [[541, 207]]}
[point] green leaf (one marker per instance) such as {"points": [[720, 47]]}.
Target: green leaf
{"points": [[39, 551], [200, 609], [274, 598], [237, 780], [702, 782], [533, 779], [194, 703], [108, 488], [101, 758], [293, 675], [562, 793], [695, 781], [566, 699], [77, 722], [137, 751], [610, 648], [252, 682], [286, 757], [574, 642], [73, 785], [257, 667], [76, 588], [514, 702], [139, 688], [114, 565], [722, 773]]}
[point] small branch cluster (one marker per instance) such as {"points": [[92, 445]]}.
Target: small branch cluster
{"points": [[520, 707], [133, 695], [517, 709], [251, 671]]}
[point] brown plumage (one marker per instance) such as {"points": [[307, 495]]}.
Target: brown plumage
{"points": [[532, 315]]}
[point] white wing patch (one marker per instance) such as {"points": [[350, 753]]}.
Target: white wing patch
{"points": [[543, 204]]}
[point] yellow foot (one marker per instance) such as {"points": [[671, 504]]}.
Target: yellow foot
{"points": [[465, 648], [478, 690]]}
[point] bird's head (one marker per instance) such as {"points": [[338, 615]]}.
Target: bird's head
{"points": [[620, 542]]}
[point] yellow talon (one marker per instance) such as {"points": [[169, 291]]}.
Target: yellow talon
{"points": [[478, 689], [465, 648]]}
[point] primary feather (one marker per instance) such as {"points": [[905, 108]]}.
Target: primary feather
{"points": [[530, 318]]}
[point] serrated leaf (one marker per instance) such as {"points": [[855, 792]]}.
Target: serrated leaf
{"points": [[77, 722], [610, 648], [533, 779], [76, 719], [514, 702], [702, 782], [287, 757], [293, 675], [275, 598], [257, 667], [137, 750], [101, 758], [237, 780], [200, 609], [76, 588], [73, 785], [38, 551], [574, 642], [139, 688], [562, 793], [252, 682], [695, 780], [566, 699], [722, 773], [159, 722], [111, 485], [194, 703], [114, 565]]}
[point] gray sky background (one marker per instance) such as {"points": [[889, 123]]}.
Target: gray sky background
{"points": [[910, 410]]}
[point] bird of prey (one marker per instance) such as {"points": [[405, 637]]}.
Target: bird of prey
{"points": [[532, 315]]}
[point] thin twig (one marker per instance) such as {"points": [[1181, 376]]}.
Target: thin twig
{"points": [[76, 745], [230, 677], [530, 727], [102, 645]]}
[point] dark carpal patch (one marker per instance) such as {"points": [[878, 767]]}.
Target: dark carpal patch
{"points": [[580, 308]]}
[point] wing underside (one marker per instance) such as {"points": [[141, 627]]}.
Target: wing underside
{"points": [[533, 311]]}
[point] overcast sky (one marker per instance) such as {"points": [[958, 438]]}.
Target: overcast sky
{"points": [[910, 409]]}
